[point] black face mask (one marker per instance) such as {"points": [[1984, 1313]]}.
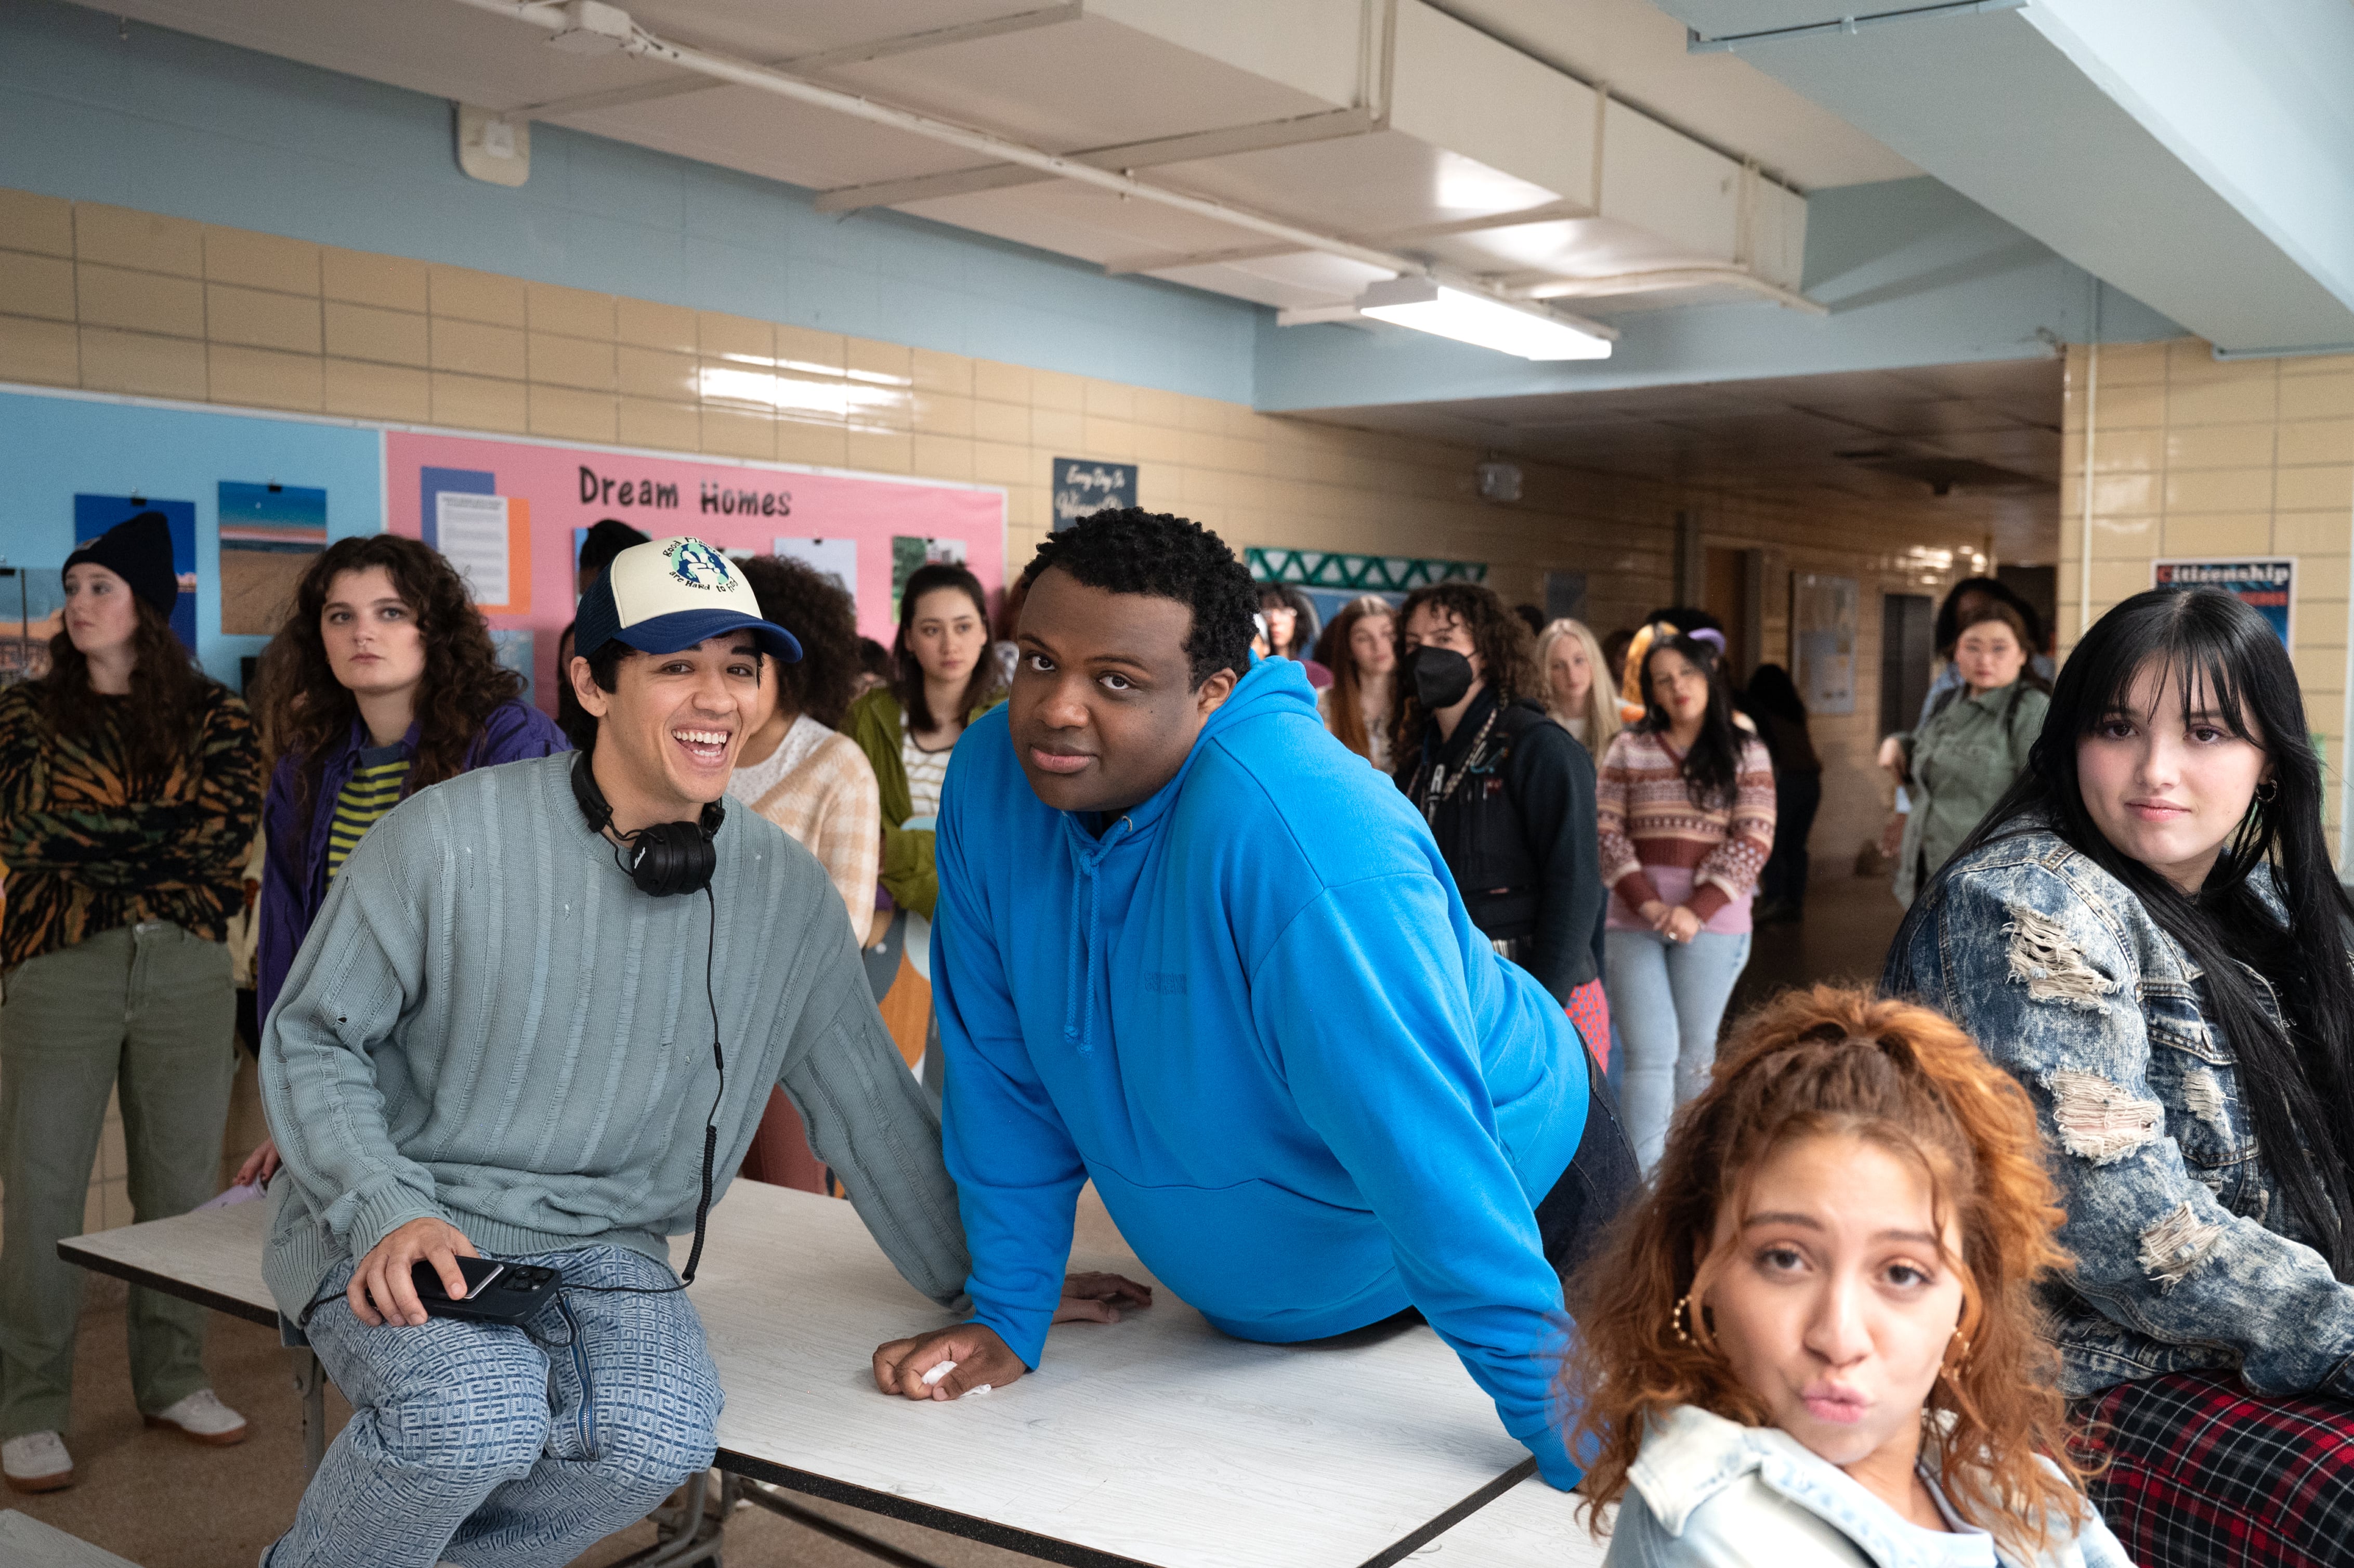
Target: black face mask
{"points": [[1442, 677]]}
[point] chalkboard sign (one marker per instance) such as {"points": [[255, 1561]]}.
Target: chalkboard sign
{"points": [[1083, 487]]}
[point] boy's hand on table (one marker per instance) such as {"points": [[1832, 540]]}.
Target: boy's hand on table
{"points": [[976, 1358], [1097, 1298]]}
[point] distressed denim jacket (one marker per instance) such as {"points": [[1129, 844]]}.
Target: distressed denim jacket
{"points": [[1706, 1492], [2188, 1255]]}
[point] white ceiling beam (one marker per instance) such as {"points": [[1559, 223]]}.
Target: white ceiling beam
{"points": [[818, 63], [1545, 212], [1224, 142], [1618, 284], [591, 26]]}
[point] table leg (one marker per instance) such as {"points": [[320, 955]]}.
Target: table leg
{"points": [[311, 1382], [694, 1533]]}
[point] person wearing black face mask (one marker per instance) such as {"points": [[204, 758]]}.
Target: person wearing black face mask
{"points": [[1508, 793]]}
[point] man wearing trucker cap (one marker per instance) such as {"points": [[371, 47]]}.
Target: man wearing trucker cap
{"points": [[538, 1019]]}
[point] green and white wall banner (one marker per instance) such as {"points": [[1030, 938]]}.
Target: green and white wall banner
{"points": [[1367, 574]]}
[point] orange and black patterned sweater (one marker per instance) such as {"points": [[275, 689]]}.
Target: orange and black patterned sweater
{"points": [[91, 844]]}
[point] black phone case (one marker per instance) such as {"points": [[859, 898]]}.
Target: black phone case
{"points": [[516, 1295]]}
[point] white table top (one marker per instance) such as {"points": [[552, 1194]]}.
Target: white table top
{"points": [[1532, 1526], [1156, 1440]]}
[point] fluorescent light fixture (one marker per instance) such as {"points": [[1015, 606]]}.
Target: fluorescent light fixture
{"points": [[1529, 331]]}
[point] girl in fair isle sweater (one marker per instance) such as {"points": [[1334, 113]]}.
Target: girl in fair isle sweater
{"points": [[1685, 810]]}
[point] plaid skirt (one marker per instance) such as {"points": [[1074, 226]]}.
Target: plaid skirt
{"points": [[2203, 1474]]}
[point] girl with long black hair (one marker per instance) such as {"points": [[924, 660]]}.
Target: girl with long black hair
{"points": [[1686, 816], [2147, 932]]}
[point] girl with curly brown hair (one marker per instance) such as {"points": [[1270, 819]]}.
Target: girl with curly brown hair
{"points": [[388, 684], [1814, 1338]]}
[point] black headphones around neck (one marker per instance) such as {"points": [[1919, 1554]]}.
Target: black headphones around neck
{"points": [[664, 858]]}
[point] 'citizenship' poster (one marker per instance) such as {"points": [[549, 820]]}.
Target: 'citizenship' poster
{"points": [[2268, 584]]}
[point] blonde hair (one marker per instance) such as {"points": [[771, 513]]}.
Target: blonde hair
{"points": [[1599, 722]]}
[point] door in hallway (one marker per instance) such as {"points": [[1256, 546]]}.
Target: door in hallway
{"points": [[1907, 654], [1734, 593]]}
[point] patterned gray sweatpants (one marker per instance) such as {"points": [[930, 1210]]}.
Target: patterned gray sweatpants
{"points": [[493, 1447]]}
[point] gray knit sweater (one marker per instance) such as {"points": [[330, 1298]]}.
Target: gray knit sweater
{"points": [[490, 1024]]}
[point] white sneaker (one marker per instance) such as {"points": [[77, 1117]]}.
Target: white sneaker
{"points": [[37, 1462], [203, 1417]]}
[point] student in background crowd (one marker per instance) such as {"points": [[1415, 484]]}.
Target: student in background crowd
{"points": [[1508, 795], [1577, 696], [2147, 932], [1291, 629], [1006, 650], [392, 685], [1960, 609], [129, 788], [1961, 606], [1614, 654], [606, 538], [943, 677], [1359, 703], [1686, 805], [1974, 745], [1814, 1338], [814, 783], [1774, 704], [1531, 617], [389, 684], [873, 667], [1676, 619]]}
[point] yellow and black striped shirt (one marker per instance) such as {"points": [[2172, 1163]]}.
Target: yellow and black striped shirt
{"points": [[373, 790]]}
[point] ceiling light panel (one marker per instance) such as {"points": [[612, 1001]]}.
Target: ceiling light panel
{"points": [[1431, 307]]}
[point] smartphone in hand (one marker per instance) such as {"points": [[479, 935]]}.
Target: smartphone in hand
{"points": [[495, 1292]]}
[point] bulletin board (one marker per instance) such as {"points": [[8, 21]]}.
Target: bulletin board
{"points": [[509, 513]]}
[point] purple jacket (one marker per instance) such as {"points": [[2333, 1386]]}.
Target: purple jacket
{"points": [[293, 886]]}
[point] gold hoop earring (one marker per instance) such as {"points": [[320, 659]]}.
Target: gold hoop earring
{"points": [[1676, 1319], [1954, 1366], [2268, 791]]}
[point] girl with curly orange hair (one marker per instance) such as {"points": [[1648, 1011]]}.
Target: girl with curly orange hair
{"points": [[1813, 1339]]}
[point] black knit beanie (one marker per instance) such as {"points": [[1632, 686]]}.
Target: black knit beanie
{"points": [[139, 552]]}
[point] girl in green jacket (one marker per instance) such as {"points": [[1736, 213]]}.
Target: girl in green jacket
{"points": [[1973, 748], [944, 675]]}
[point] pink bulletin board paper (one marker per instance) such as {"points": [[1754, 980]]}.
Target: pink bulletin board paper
{"points": [[734, 505]]}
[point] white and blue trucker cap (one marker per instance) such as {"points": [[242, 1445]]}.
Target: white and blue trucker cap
{"points": [[670, 594]]}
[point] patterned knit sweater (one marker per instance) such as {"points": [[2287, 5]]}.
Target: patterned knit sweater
{"points": [[92, 844], [1656, 844]]}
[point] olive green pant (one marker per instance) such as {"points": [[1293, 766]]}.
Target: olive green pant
{"points": [[147, 1010]]}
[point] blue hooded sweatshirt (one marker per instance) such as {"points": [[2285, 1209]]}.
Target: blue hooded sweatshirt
{"points": [[1254, 1011]]}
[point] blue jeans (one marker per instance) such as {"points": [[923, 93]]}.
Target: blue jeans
{"points": [[1667, 999], [496, 1447]]}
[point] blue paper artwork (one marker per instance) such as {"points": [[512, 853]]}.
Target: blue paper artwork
{"points": [[94, 514]]}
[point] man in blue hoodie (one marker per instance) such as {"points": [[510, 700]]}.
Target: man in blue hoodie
{"points": [[1190, 947]]}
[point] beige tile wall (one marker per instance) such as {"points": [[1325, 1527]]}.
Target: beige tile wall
{"points": [[2191, 457], [113, 299]]}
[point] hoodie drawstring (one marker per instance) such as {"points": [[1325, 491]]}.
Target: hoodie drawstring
{"points": [[1078, 1015]]}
